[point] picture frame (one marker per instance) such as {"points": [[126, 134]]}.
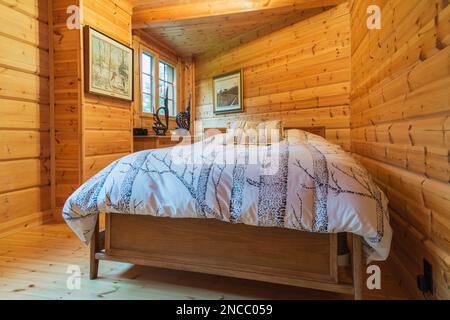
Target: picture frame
{"points": [[109, 66], [228, 92]]}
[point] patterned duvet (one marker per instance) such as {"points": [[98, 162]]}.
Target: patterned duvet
{"points": [[306, 184]]}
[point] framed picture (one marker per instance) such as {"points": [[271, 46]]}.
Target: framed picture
{"points": [[108, 66], [227, 90]]}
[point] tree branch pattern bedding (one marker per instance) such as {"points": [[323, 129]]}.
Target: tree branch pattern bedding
{"points": [[315, 187]]}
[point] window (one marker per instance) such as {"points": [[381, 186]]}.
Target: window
{"points": [[148, 84], [152, 98], [167, 84]]}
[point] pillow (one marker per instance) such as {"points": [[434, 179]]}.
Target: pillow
{"points": [[269, 132], [241, 131], [252, 132], [240, 124], [301, 136]]}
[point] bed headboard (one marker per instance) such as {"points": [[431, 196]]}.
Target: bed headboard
{"points": [[320, 131]]}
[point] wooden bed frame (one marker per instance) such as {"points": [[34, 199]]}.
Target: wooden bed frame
{"points": [[275, 255]]}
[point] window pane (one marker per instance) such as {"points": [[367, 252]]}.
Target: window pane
{"points": [[146, 64], [161, 102], [152, 86], [171, 108], [167, 83], [146, 84], [162, 71], [162, 89], [161, 111], [146, 103], [169, 74]]}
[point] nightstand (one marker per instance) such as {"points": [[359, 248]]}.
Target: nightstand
{"points": [[154, 142]]}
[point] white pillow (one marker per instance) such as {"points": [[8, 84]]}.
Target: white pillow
{"points": [[239, 124], [301, 136], [252, 132], [241, 132], [269, 132], [295, 135]]}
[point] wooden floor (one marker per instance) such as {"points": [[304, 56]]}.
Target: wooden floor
{"points": [[33, 265]]}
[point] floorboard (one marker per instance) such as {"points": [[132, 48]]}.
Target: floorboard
{"points": [[34, 263]]}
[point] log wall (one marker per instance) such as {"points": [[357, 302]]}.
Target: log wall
{"points": [[53, 134], [67, 84], [107, 122], [400, 126], [25, 171], [300, 74], [90, 130]]}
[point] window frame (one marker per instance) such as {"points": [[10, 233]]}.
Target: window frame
{"points": [[156, 59], [152, 82]]}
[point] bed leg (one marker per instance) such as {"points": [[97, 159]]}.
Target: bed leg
{"points": [[343, 251], [93, 267], [357, 266]]}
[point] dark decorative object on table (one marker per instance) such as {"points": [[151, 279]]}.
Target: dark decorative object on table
{"points": [[140, 132], [183, 119], [159, 127]]}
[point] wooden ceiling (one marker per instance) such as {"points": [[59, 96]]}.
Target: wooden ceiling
{"points": [[198, 26]]}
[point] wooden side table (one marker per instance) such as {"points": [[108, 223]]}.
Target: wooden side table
{"points": [[153, 142]]}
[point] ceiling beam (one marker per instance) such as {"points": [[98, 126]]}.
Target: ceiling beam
{"points": [[177, 10]]}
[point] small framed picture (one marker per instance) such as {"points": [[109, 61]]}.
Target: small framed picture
{"points": [[227, 89], [108, 66]]}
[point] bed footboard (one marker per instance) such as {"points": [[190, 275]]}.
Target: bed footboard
{"points": [[274, 255]]}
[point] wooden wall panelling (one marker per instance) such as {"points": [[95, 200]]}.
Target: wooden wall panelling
{"points": [[137, 84], [107, 122], [194, 27], [51, 68], [265, 29], [400, 108], [24, 115], [86, 125], [294, 41], [188, 87], [67, 104], [160, 11], [299, 74], [95, 163]]}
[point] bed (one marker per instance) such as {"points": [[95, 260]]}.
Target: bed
{"points": [[285, 231]]}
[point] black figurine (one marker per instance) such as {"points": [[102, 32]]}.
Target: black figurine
{"points": [[159, 127], [183, 119]]}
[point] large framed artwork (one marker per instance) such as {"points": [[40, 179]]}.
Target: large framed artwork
{"points": [[108, 66], [227, 93]]}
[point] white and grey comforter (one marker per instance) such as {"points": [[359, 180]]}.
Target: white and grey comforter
{"points": [[304, 184]]}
